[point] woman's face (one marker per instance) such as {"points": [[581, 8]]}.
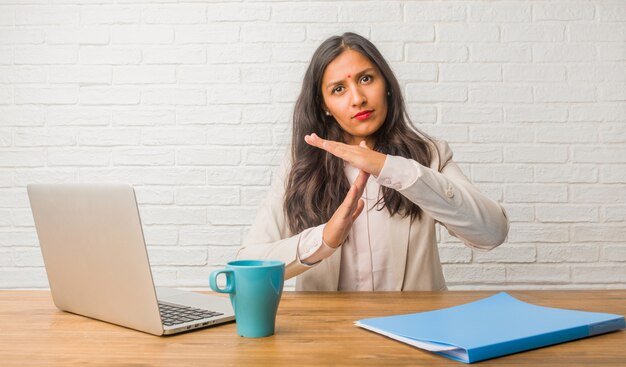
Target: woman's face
{"points": [[355, 94]]}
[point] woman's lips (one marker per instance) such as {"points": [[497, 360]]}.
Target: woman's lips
{"points": [[363, 115]]}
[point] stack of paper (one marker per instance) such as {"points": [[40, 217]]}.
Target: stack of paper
{"points": [[491, 327]]}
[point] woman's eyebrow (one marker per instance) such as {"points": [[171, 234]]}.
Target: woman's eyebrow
{"points": [[330, 84]]}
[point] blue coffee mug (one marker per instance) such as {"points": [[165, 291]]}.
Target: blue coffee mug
{"points": [[255, 287]]}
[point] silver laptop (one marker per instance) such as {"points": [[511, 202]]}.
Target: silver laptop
{"points": [[97, 264]]}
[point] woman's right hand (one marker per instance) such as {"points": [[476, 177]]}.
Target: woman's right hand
{"points": [[337, 228]]}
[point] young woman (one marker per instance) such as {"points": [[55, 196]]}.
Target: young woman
{"points": [[355, 203]]}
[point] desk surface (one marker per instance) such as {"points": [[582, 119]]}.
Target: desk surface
{"points": [[312, 329]]}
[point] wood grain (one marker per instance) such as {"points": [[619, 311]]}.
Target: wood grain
{"points": [[313, 329]]}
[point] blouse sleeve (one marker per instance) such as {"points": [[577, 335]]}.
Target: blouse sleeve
{"points": [[444, 193]]}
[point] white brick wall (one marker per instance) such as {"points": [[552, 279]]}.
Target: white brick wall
{"points": [[191, 102]]}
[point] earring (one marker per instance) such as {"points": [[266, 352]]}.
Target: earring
{"points": [[388, 93], [327, 113]]}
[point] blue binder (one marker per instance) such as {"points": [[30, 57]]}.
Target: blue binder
{"points": [[491, 327]]}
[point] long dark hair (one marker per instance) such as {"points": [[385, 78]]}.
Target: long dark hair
{"points": [[316, 184]]}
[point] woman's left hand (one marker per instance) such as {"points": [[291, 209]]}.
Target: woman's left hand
{"points": [[359, 156]]}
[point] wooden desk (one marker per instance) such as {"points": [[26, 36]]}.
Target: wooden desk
{"points": [[313, 329]]}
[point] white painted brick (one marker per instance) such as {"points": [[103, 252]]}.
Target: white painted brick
{"points": [[610, 72], [612, 52], [390, 11], [113, 175], [6, 54], [596, 193], [207, 156], [304, 13], [157, 196], [27, 256], [477, 154], [519, 212], [263, 114], [78, 35], [564, 133], [467, 273], [564, 11], [564, 52], [536, 193], [110, 14], [238, 53], [293, 53], [614, 253], [451, 133], [7, 16], [208, 74], [556, 253], [239, 135], [46, 15], [222, 254], [535, 153], [566, 173], [144, 74], [5, 179], [174, 14], [593, 32], [492, 191], [436, 93], [22, 74], [231, 215], [499, 53], [390, 32], [422, 113], [272, 33], [22, 158], [6, 96], [109, 136], [5, 219], [533, 73], [319, 34], [174, 96], [469, 114], [613, 173], [507, 254], [502, 134], [542, 233], [264, 156], [45, 176], [236, 12], [612, 11], [77, 117], [467, 33], [59, 96], [499, 13], [19, 36], [208, 196], [174, 176], [597, 112], [612, 133], [143, 157], [602, 273], [612, 92], [109, 96], [207, 34], [172, 215], [161, 235], [29, 137], [421, 72], [209, 116], [502, 173], [545, 113], [173, 136], [534, 32], [597, 154], [538, 273], [566, 213], [240, 175], [500, 94], [455, 254], [177, 256], [391, 51], [570, 93], [470, 73], [141, 34], [214, 235], [46, 55], [241, 94], [615, 213], [106, 55], [434, 12], [253, 196], [23, 278], [78, 157], [272, 73], [84, 75], [435, 53], [18, 238], [174, 55], [152, 117]]}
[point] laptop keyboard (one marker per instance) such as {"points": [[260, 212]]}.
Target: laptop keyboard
{"points": [[176, 314]]}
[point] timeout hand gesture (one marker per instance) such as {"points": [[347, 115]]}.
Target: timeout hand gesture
{"points": [[369, 162]]}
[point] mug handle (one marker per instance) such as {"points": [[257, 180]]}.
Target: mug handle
{"points": [[230, 281]]}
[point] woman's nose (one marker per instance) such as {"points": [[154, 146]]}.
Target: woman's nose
{"points": [[358, 97]]}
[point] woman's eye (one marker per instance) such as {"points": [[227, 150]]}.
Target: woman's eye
{"points": [[366, 79], [338, 89]]}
